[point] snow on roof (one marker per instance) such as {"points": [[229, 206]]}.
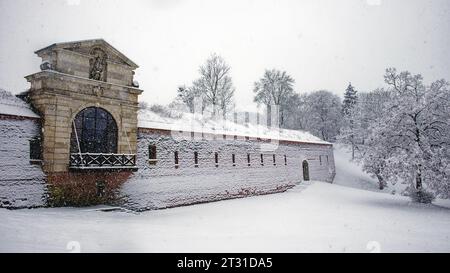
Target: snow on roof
{"points": [[13, 106], [197, 123]]}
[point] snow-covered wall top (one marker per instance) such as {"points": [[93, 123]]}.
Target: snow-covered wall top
{"points": [[197, 123], [13, 106]]}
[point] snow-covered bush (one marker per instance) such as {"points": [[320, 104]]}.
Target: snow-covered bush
{"points": [[421, 196], [165, 111]]}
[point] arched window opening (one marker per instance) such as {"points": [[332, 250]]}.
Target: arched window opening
{"points": [[274, 160], [175, 155], [305, 170], [94, 131], [262, 160], [35, 150], [216, 159], [248, 160], [233, 159], [196, 159], [152, 154]]}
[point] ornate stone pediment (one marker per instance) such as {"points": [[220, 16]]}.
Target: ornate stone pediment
{"points": [[91, 59], [85, 48]]}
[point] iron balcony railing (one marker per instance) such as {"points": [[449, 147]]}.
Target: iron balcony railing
{"points": [[99, 161]]}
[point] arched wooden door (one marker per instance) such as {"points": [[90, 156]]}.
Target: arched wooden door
{"points": [[305, 170]]}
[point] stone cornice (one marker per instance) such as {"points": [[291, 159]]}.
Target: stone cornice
{"points": [[94, 83], [17, 117]]}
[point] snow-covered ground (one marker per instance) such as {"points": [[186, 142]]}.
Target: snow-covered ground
{"points": [[320, 217], [350, 174]]}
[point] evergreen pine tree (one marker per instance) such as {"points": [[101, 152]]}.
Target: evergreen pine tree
{"points": [[349, 111], [350, 99]]}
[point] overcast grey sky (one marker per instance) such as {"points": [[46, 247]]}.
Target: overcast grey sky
{"points": [[322, 44]]}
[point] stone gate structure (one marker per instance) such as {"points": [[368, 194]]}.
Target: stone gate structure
{"points": [[76, 76]]}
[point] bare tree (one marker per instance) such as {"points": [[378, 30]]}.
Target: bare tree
{"points": [[295, 106], [187, 96], [274, 88], [226, 102], [143, 105], [324, 115], [215, 84]]}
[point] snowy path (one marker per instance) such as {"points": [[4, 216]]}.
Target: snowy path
{"points": [[322, 217], [350, 174]]}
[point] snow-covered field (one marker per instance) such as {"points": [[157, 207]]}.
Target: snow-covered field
{"points": [[320, 217]]}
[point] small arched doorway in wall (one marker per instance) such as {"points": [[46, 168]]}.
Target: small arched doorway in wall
{"points": [[94, 130], [305, 166]]}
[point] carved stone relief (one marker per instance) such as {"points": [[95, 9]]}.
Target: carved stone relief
{"points": [[98, 64]]}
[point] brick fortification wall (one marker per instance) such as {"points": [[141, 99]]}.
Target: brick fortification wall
{"points": [[22, 184], [163, 185]]}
